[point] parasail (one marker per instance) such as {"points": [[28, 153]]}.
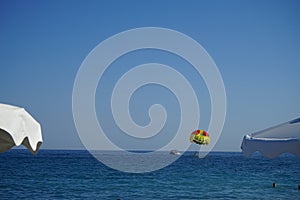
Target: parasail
{"points": [[200, 137]]}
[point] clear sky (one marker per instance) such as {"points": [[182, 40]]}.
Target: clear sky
{"points": [[255, 44]]}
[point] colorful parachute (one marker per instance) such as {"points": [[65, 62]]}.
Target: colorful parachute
{"points": [[200, 137]]}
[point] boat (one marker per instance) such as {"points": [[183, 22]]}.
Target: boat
{"points": [[175, 152]]}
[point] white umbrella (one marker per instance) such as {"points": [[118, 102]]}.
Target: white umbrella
{"points": [[18, 127], [271, 142]]}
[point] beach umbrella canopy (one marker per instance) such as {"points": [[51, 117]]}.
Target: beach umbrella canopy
{"points": [[18, 127], [271, 142]]}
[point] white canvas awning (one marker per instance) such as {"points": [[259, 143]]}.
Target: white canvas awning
{"points": [[18, 127], [271, 142]]}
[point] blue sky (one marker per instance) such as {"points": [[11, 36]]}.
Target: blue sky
{"points": [[255, 44]]}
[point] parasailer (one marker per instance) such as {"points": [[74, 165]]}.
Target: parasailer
{"points": [[200, 137]]}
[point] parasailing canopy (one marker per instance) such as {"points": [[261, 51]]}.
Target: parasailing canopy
{"points": [[200, 137], [18, 127], [271, 142]]}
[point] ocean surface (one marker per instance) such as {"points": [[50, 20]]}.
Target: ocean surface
{"points": [[62, 174]]}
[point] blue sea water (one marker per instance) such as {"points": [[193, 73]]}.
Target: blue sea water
{"points": [[61, 174]]}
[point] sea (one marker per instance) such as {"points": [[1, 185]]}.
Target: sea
{"points": [[76, 174]]}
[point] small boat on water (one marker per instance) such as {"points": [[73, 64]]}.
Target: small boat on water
{"points": [[175, 152]]}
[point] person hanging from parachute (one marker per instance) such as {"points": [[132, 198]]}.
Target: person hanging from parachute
{"points": [[200, 137]]}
